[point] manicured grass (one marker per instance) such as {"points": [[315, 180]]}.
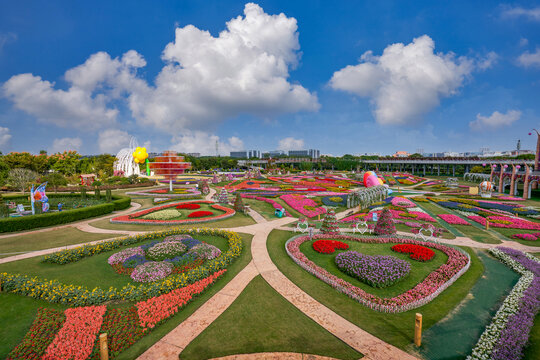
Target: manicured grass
{"points": [[419, 270], [18, 312], [261, 320], [91, 272], [477, 234], [234, 221], [157, 333], [509, 232], [396, 329], [48, 239], [16, 317], [263, 208]]}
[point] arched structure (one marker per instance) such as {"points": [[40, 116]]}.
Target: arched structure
{"points": [[125, 164]]}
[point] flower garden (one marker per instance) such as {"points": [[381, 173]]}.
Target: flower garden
{"points": [[130, 286]]}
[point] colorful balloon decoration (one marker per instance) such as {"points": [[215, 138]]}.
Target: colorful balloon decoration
{"points": [[371, 179], [486, 188], [140, 155]]}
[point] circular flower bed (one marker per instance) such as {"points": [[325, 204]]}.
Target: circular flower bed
{"points": [[199, 214], [328, 246], [190, 206], [158, 259], [377, 271], [152, 271], [416, 252]]}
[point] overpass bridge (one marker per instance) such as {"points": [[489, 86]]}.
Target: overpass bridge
{"points": [[264, 162]]}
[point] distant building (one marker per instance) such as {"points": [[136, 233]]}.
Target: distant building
{"points": [[401, 154], [194, 154], [312, 153], [276, 153], [246, 154]]}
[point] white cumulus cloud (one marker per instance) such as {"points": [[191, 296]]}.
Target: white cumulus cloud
{"points": [[528, 59], [290, 143], [406, 81], [86, 103], [112, 140], [204, 143], [205, 80], [64, 144], [495, 120], [5, 136]]}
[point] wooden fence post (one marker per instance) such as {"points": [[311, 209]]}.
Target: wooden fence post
{"points": [[103, 348], [487, 224], [418, 330]]}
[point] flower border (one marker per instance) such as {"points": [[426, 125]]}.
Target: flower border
{"points": [[130, 218], [397, 304]]}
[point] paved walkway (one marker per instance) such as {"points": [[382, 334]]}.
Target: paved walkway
{"points": [[174, 342]]}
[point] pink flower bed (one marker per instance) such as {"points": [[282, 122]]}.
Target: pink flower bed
{"points": [[299, 203], [133, 218], [436, 282], [513, 223], [76, 338], [528, 237], [275, 204], [402, 202], [453, 219]]}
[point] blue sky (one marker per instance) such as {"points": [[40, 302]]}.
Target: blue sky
{"points": [[343, 77]]}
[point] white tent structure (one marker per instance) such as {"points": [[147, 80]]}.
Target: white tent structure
{"points": [[125, 161]]}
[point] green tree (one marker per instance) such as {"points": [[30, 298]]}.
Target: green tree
{"points": [[66, 162], [21, 178], [55, 180], [104, 163], [416, 156]]}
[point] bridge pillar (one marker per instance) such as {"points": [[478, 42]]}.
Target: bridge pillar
{"points": [[453, 170], [501, 179], [438, 170], [512, 181], [526, 192], [424, 170]]}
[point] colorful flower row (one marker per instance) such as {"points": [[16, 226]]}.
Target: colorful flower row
{"points": [[328, 246], [134, 218], [72, 334], [528, 237], [506, 222], [303, 205], [402, 202], [57, 292], [436, 282], [76, 338], [377, 271], [508, 333], [416, 252], [453, 219]]}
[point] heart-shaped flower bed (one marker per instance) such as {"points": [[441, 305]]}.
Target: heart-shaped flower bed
{"points": [[416, 252], [198, 214], [329, 246], [377, 271]]}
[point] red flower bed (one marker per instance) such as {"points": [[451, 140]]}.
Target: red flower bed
{"points": [[189, 206], [416, 252], [40, 335], [198, 214], [329, 246]]}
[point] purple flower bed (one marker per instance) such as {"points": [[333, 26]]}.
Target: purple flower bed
{"points": [[508, 334], [377, 271], [152, 271]]}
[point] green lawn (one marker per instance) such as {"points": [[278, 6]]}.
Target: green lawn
{"points": [[262, 207], [509, 232], [93, 271], [419, 270], [261, 320], [18, 312], [396, 329], [236, 220], [47, 239]]}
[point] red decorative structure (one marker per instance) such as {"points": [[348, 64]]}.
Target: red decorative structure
{"points": [[169, 165]]}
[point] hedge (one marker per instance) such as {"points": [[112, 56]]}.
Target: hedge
{"points": [[63, 217]]}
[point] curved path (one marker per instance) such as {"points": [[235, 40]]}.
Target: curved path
{"points": [[172, 344]]}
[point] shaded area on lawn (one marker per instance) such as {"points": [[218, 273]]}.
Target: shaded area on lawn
{"points": [[261, 320], [455, 336]]}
